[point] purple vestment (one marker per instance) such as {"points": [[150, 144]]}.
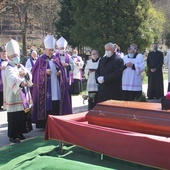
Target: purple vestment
{"points": [[31, 61], [41, 93]]}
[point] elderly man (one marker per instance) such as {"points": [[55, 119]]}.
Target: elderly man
{"points": [[49, 91], [17, 97], [109, 74], [31, 61]]}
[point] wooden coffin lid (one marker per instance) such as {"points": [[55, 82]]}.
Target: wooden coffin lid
{"points": [[140, 117]]}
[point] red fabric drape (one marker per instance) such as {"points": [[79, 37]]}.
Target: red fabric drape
{"points": [[131, 146]]}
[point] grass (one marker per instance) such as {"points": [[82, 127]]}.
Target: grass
{"points": [[39, 154]]}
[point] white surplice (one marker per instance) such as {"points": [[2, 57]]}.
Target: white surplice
{"points": [[132, 79]]}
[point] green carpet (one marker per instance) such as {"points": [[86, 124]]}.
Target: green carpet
{"points": [[39, 154]]}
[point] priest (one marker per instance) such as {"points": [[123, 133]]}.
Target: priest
{"points": [[31, 61], [155, 76], [66, 61], [50, 94], [3, 64], [17, 97]]}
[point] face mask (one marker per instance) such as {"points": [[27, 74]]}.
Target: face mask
{"points": [[61, 52], [74, 55], [16, 60], [108, 53], [130, 55]]}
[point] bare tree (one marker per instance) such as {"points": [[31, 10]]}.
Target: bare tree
{"points": [[46, 15], [31, 14]]}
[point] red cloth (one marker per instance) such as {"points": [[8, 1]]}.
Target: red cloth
{"points": [[131, 146], [168, 96]]}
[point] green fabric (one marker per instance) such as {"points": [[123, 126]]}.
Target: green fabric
{"points": [[39, 154]]}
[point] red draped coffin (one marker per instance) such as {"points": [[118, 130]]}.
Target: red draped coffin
{"points": [[88, 130]]}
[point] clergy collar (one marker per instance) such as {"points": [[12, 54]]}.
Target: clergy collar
{"points": [[95, 60], [4, 59], [49, 57], [74, 56], [33, 58]]}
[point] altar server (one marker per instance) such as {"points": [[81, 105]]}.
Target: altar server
{"points": [[92, 86], [76, 81], [134, 65]]}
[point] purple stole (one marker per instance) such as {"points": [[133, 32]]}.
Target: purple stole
{"points": [[65, 101], [32, 64], [69, 75], [26, 99], [41, 91], [1, 83], [42, 97]]}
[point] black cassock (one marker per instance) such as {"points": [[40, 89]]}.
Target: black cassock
{"points": [[155, 80], [111, 69]]}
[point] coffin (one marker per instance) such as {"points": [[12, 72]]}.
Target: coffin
{"points": [[145, 149], [142, 117]]}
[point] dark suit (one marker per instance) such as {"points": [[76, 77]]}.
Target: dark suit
{"points": [[111, 69]]}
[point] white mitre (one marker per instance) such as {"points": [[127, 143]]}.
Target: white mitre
{"points": [[12, 47], [49, 42], [61, 42]]}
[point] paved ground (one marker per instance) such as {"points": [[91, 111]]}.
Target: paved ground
{"points": [[78, 106]]}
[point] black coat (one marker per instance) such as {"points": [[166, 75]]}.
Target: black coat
{"points": [[155, 80], [111, 69]]}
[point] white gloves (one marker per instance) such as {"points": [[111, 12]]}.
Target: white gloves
{"points": [[100, 79]]}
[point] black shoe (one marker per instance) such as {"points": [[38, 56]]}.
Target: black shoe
{"points": [[14, 140], [21, 137]]}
